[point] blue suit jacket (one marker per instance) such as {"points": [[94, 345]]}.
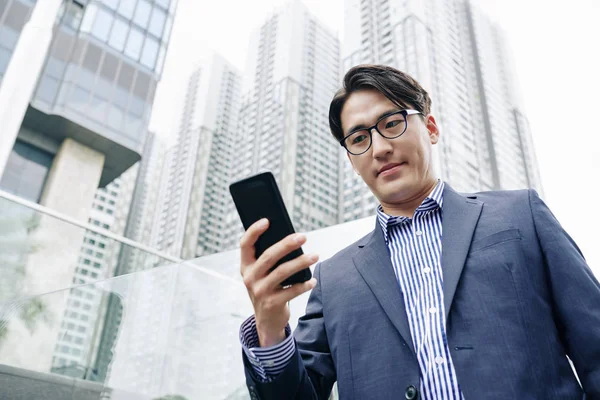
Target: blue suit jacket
{"points": [[518, 295]]}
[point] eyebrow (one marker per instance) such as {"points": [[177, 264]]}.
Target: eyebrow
{"points": [[382, 115]]}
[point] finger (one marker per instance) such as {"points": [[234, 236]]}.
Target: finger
{"points": [[285, 295], [287, 269], [249, 239], [273, 254]]}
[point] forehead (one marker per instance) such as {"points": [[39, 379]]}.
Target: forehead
{"points": [[363, 107]]}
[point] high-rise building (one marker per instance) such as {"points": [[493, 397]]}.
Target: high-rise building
{"points": [[193, 197], [85, 126], [291, 75], [87, 120], [460, 57]]}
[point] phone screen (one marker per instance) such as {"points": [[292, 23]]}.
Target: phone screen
{"points": [[258, 197]]}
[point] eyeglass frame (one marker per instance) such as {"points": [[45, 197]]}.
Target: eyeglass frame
{"points": [[405, 113]]}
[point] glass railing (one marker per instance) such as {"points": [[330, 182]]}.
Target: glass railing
{"points": [[42, 251], [156, 334], [168, 331]]}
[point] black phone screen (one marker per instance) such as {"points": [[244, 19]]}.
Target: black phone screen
{"points": [[258, 197]]}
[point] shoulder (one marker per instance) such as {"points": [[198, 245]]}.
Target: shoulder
{"points": [[503, 199]]}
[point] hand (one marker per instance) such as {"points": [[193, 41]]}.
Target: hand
{"points": [[268, 297]]}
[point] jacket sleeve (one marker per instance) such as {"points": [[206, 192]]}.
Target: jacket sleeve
{"points": [[310, 374], [576, 295]]}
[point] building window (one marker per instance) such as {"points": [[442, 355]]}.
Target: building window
{"points": [[134, 44], [26, 171], [102, 24], [142, 13], [118, 35]]}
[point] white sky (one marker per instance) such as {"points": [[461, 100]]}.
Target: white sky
{"points": [[557, 61]]}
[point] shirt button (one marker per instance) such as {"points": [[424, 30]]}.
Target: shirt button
{"points": [[426, 270], [432, 310], [439, 360], [418, 233]]}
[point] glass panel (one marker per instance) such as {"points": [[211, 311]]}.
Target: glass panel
{"points": [[26, 171], [163, 3], [8, 37], [97, 108], [78, 97], [102, 24], [157, 22], [29, 239], [136, 106], [150, 52], [111, 3], [115, 117], [120, 97], [134, 43], [126, 8], [88, 18], [142, 13], [118, 35], [47, 89], [167, 333]]}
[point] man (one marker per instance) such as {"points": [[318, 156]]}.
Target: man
{"points": [[451, 296]]}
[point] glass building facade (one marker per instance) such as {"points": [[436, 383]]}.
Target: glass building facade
{"points": [[99, 80]]}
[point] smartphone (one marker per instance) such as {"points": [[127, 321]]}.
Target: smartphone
{"points": [[259, 197]]}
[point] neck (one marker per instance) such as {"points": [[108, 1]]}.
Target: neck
{"points": [[407, 207]]}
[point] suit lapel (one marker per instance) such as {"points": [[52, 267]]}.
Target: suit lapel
{"points": [[460, 216], [374, 265]]}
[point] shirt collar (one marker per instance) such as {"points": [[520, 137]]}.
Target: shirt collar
{"points": [[434, 201]]}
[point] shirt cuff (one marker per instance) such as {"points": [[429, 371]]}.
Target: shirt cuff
{"points": [[267, 362]]}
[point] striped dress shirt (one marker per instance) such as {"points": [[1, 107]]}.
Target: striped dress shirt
{"points": [[415, 247]]}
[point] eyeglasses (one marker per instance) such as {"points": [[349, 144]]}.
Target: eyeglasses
{"points": [[389, 126]]}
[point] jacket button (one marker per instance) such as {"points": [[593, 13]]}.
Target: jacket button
{"points": [[411, 393]]}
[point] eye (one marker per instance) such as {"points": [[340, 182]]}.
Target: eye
{"points": [[359, 138], [392, 124]]}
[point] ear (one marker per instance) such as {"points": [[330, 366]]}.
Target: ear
{"points": [[352, 163], [432, 129]]}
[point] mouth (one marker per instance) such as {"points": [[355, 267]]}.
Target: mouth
{"points": [[390, 169]]}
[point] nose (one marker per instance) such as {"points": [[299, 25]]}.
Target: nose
{"points": [[380, 145]]}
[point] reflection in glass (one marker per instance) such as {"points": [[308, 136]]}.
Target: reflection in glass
{"points": [[126, 8], [157, 22], [142, 13], [134, 43], [118, 35], [102, 24], [150, 52]]}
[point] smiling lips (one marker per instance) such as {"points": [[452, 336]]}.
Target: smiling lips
{"points": [[389, 169]]}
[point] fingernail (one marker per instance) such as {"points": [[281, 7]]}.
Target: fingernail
{"points": [[313, 257], [299, 238], [263, 222]]}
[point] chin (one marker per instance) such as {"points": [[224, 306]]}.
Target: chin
{"points": [[396, 190]]}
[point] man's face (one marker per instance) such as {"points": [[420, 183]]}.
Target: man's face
{"points": [[407, 160]]}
